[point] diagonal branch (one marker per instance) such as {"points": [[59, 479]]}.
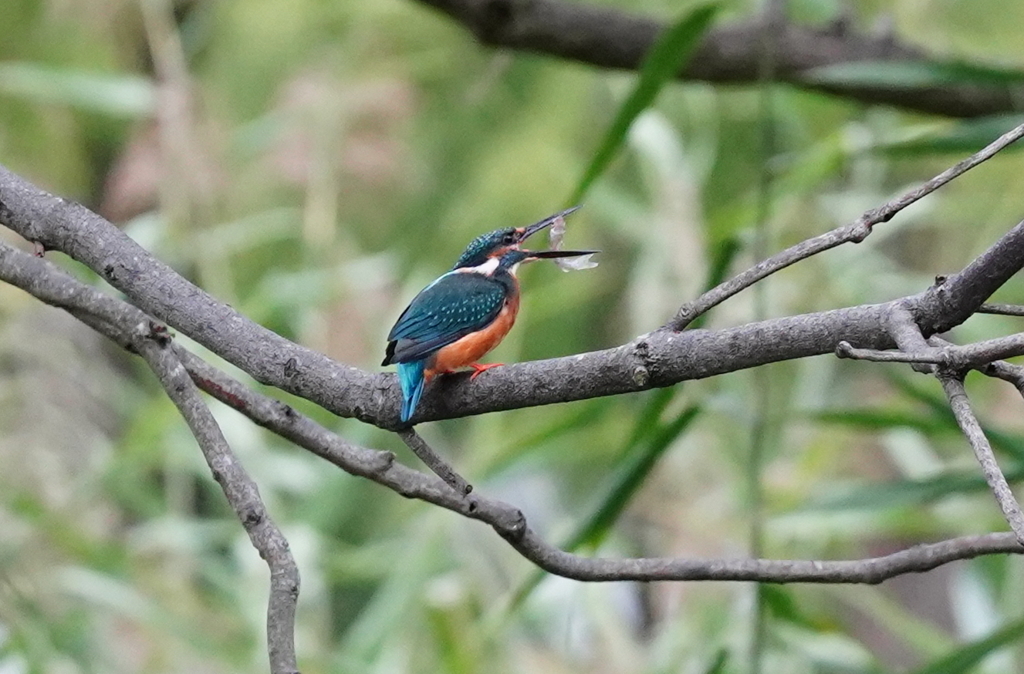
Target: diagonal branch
{"points": [[241, 493], [1001, 309], [117, 320], [434, 462], [956, 394], [611, 38]]}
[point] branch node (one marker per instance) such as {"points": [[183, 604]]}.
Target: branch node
{"points": [[383, 461], [288, 412], [641, 371], [511, 525], [862, 228]]}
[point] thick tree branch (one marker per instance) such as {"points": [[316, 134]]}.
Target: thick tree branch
{"points": [[658, 359], [119, 321], [611, 38]]}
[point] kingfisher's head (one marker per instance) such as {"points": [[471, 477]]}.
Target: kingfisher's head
{"points": [[495, 244]]}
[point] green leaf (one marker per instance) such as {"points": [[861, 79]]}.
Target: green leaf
{"points": [[897, 493], [962, 137], [718, 662], [966, 658], [875, 419], [662, 63], [636, 469], [912, 74], [117, 95]]}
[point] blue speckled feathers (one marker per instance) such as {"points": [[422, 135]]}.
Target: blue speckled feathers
{"points": [[450, 308]]}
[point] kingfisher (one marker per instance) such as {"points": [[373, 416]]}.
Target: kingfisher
{"points": [[465, 313]]}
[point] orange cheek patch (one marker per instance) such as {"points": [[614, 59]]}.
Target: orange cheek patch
{"points": [[475, 346]]}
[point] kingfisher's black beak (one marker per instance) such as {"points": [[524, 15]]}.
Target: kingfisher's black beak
{"points": [[545, 223], [549, 254]]}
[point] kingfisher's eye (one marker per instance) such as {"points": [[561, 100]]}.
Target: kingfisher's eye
{"points": [[509, 238]]}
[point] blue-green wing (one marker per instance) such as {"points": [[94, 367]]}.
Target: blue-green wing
{"points": [[450, 308]]}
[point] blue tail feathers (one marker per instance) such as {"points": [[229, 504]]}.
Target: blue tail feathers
{"points": [[410, 376]]}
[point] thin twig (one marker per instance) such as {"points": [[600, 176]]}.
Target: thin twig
{"points": [[117, 320], [999, 369], [1008, 372], [956, 394], [1001, 309], [954, 357], [434, 462], [931, 357], [855, 232], [241, 493]]}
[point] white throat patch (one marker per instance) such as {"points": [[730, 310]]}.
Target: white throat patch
{"points": [[487, 268]]}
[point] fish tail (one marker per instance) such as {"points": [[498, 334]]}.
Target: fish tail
{"points": [[410, 375]]}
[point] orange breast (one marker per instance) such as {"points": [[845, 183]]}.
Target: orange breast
{"points": [[473, 347]]}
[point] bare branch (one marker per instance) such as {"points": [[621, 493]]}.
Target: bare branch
{"points": [[954, 357], [905, 330], [854, 232], [908, 336], [434, 462], [610, 38], [115, 319], [930, 356], [874, 570], [241, 493], [998, 369], [1008, 372], [953, 385], [1002, 309]]}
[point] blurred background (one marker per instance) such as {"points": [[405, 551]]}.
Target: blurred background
{"points": [[314, 164]]}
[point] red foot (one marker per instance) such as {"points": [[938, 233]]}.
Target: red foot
{"points": [[478, 368]]}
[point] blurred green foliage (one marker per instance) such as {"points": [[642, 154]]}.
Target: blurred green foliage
{"points": [[314, 164]]}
